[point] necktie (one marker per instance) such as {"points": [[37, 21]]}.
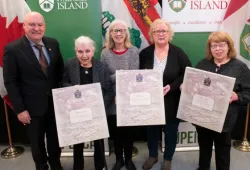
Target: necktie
{"points": [[42, 59]]}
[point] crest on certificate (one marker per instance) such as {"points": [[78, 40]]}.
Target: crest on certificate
{"points": [[139, 78], [78, 94], [207, 81]]}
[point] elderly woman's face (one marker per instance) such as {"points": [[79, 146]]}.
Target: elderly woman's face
{"points": [[85, 53], [118, 33], [219, 50], [161, 34]]}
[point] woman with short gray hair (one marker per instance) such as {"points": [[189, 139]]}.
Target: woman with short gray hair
{"points": [[84, 69]]}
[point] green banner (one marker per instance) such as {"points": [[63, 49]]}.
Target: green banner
{"points": [[194, 44], [66, 20]]}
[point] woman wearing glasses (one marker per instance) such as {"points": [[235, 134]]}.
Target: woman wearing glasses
{"points": [[119, 54], [220, 59], [84, 69], [172, 61]]}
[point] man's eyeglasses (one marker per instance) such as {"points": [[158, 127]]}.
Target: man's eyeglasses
{"points": [[158, 32], [122, 31], [220, 45]]}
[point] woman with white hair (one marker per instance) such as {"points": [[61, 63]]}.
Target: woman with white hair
{"points": [[172, 61], [119, 54], [84, 69]]}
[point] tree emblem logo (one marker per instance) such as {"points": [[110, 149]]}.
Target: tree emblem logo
{"points": [[46, 5]]}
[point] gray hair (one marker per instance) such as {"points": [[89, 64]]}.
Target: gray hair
{"points": [[110, 44], [160, 21], [82, 40]]}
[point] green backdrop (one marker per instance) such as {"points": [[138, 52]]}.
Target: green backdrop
{"points": [[194, 44], [67, 24], [69, 19]]}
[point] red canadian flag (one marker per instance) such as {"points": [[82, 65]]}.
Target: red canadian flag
{"points": [[12, 14]]}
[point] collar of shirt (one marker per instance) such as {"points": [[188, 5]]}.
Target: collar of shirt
{"points": [[162, 61], [33, 44], [36, 52], [160, 64]]}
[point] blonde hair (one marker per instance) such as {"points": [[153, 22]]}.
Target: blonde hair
{"points": [[157, 22], [220, 36], [84, 40], [110, 44]]}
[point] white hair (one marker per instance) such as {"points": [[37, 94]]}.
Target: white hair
{"points": [[82, 40]]}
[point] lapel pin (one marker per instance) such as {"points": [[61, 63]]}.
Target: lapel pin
{"points": [[49, 49]]}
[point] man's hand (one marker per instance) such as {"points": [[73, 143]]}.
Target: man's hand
{"points": [[234, 97], [166, 89], [24, 117]]}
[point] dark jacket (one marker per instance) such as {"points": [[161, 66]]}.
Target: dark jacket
{"points": [[100, 75], [27, 86], [239, 70], [173, 74]]}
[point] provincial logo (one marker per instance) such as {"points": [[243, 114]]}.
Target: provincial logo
{"points": [[245, 41], [46, 5], [177, 5]]}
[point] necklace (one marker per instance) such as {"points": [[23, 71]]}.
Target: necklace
{"points": [[86, 71]]}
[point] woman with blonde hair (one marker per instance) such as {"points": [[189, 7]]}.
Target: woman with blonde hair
{"points": [[172, 61], [119, 54], [221, 59]]}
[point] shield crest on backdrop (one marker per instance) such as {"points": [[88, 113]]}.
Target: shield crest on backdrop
{"points": [[46, 5], [245, 41], [177, 5]]}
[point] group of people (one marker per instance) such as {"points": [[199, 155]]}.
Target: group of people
{"points": [[33, 66]]}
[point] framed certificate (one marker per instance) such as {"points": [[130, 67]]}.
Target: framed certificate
{"points": [[139, 97], [205, 98], [80, 114]]}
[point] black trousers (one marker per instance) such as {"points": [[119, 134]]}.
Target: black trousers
{"points": [[222, 143], [98, 155], [36, 130], [123, 138]]}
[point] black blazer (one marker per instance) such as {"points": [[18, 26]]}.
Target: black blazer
{"points": [[173, 74], [27, 86], [100, 75]]}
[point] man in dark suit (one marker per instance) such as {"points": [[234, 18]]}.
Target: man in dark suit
{"points": [[33, 65]]}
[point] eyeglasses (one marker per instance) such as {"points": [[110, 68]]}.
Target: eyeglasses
{"points": [[122, 31], [81, 52], [220, 45], [158, 32]]}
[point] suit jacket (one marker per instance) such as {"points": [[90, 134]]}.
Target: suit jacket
{"points": [[173, 74], [27, 86], [100, 75]]}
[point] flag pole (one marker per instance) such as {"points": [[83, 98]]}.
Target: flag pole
{"points": [[11, 151], [244, 145]]}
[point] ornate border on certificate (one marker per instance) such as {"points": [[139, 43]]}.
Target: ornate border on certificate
{"points": [[205, 98]]}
